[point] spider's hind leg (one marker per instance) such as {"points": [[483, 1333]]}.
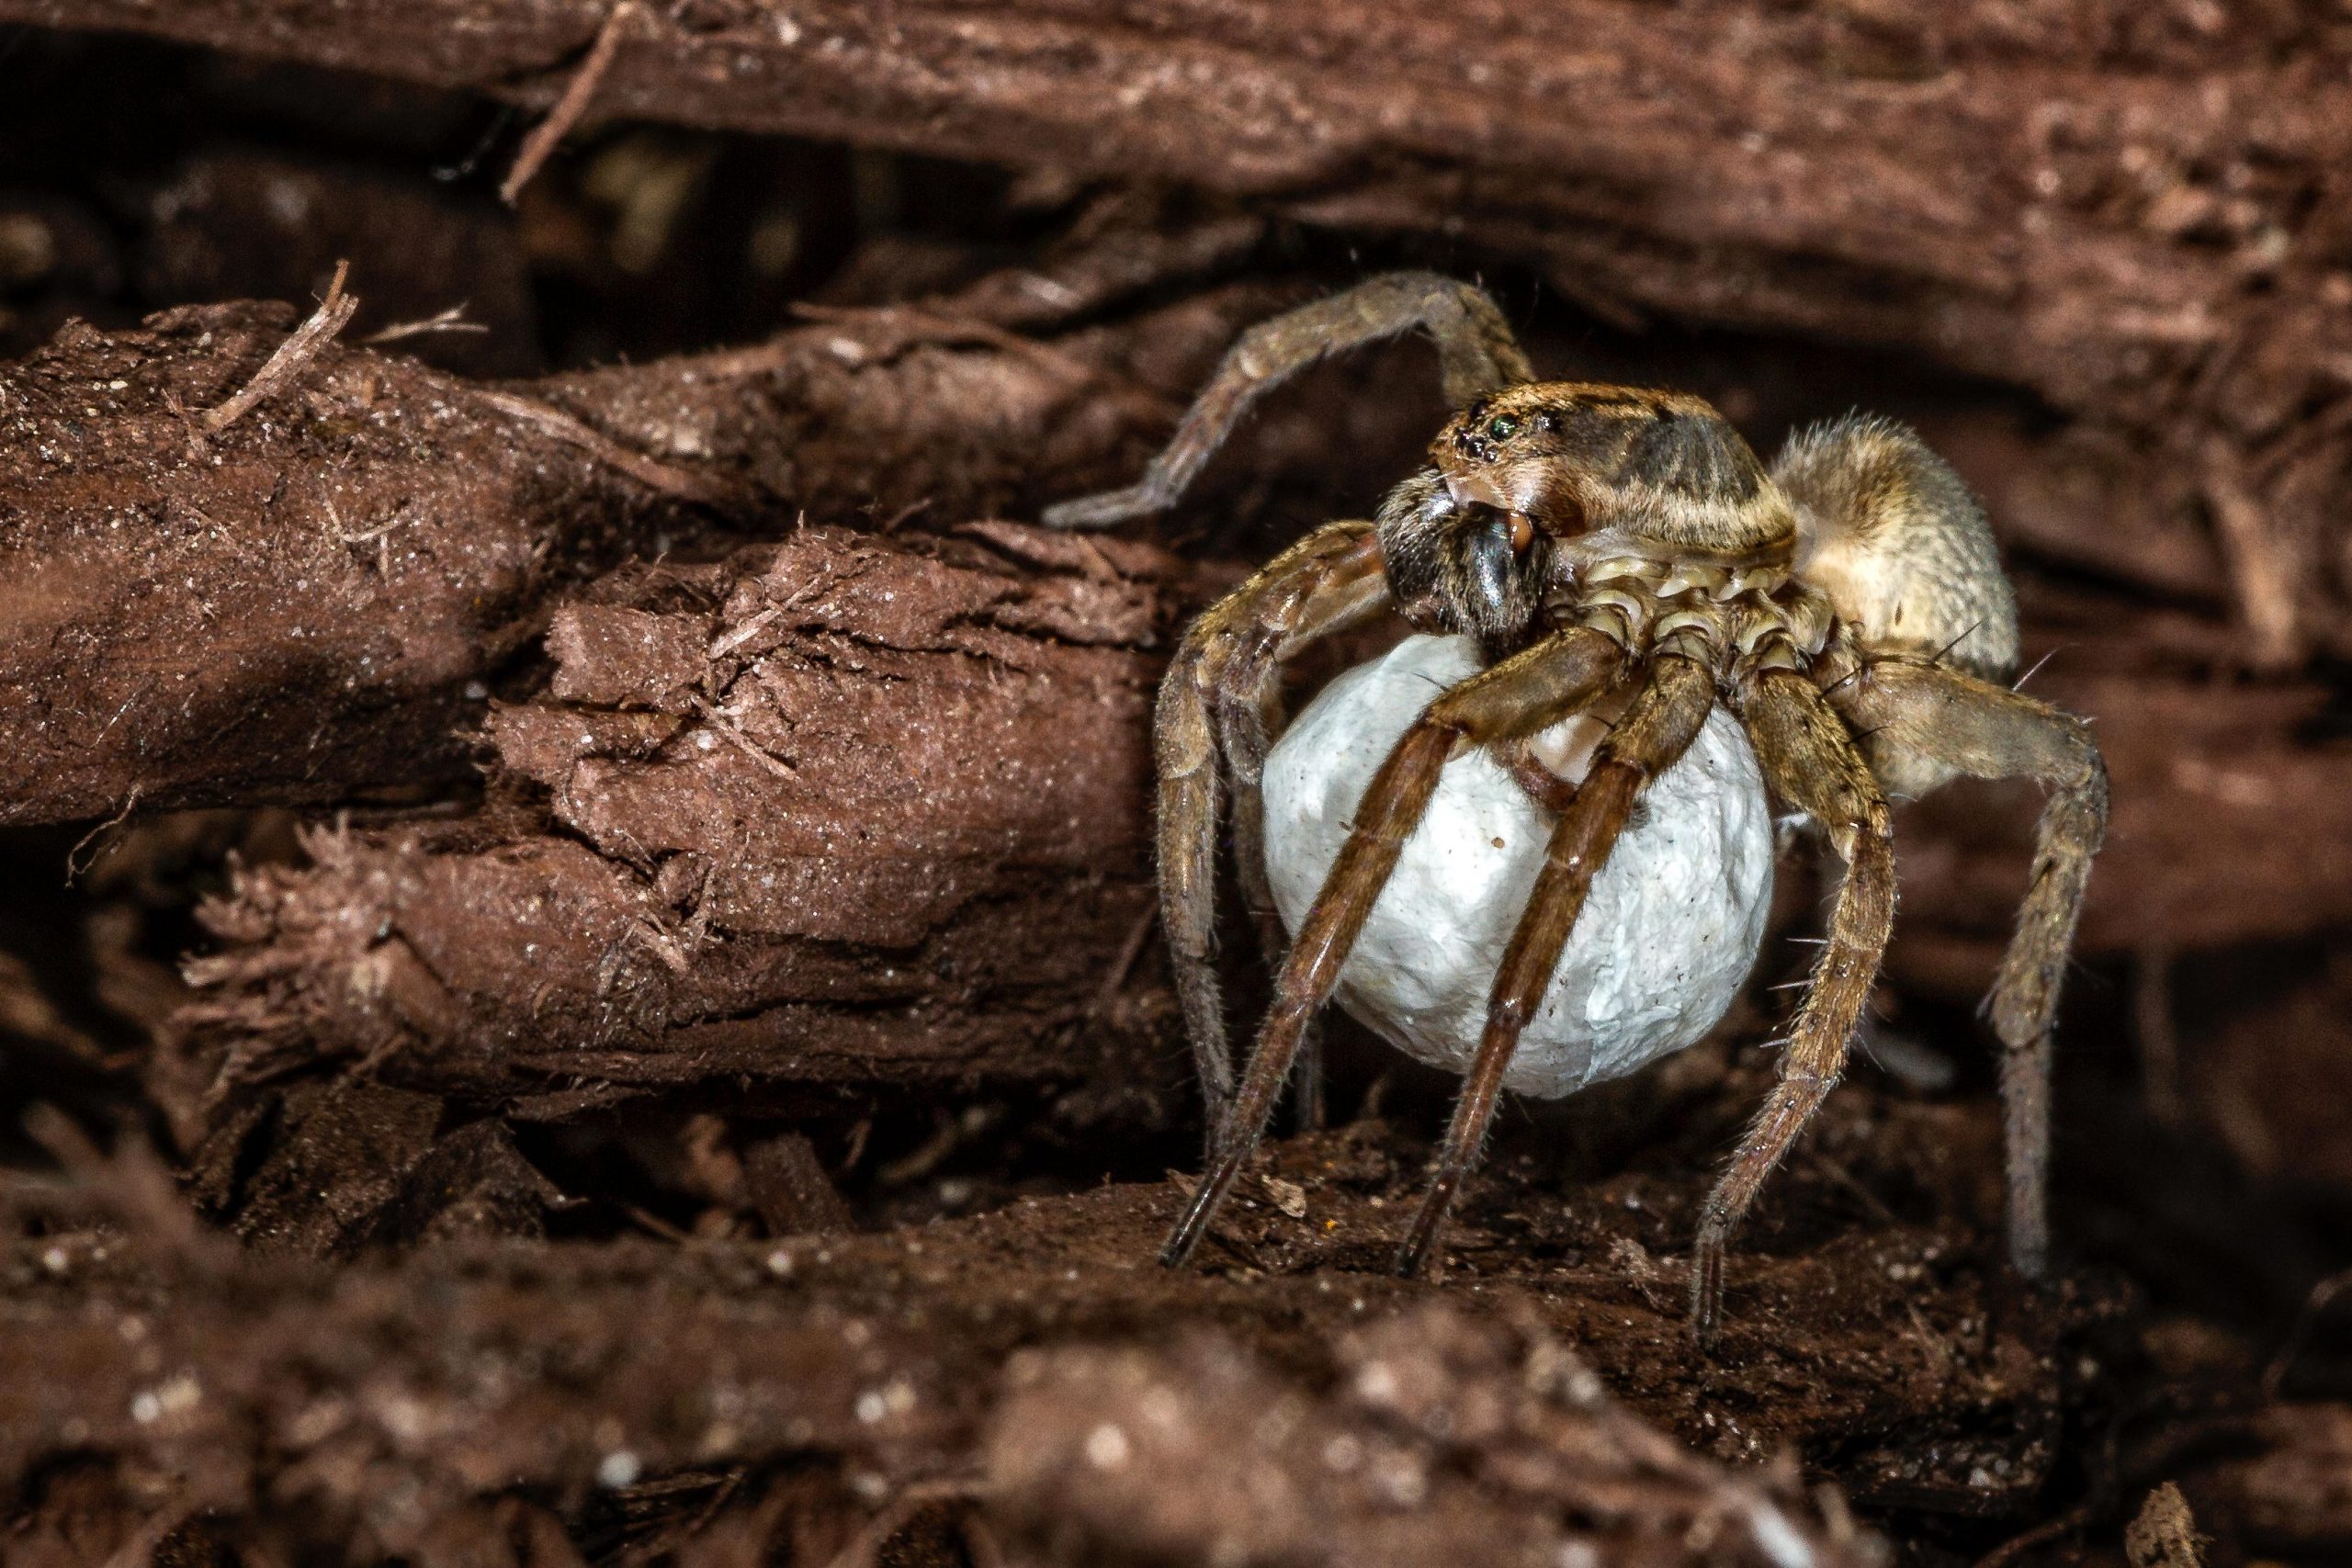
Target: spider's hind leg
{"points": [[1665, 719], [1810, 761], [1476, 354], [1216, 705], [1922, 720]]}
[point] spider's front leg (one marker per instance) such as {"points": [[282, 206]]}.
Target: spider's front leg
{"points": [[1924, 710], [1525, 693], [1810, 761], [1665, 717], [1476, 354], [1217, 706]]}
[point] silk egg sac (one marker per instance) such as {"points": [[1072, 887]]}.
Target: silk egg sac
{"points": [[1668, 933]]}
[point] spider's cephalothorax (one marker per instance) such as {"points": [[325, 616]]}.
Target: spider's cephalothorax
{"points": [[1613, 548], [1532, 486]]}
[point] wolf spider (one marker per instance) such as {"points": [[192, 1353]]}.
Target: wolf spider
{"points": [[1847, 605]]}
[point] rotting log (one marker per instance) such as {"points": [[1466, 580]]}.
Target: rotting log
{"points": [[2276, 1480], [841, 810], [402, 1399], [279, 608], [1382, 1470], [2137, 213], [306, 601]]}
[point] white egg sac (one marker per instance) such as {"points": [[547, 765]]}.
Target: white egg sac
{"points": [[1668, 933]]}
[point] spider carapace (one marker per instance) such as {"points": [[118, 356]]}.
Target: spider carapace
{"points": [[1618, 546]]}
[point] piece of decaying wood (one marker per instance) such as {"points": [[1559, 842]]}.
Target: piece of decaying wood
{"points": [[840, 810], [791, 1190], [308, 602], [2052, 206], [2164, 1533], [578, 93], [290, 357]]}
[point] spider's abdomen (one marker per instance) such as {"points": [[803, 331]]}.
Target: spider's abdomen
{"points": [[1892, 535], [1667, 937]]}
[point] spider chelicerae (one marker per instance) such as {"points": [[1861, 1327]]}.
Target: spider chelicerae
{"points": [[1621, 548]]}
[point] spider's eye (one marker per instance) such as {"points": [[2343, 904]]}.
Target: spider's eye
{"points": [[1502, 427]]}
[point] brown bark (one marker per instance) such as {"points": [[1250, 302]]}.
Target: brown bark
{"points": [[306, 602], [2137, 218], [1081, 1449], [838, 811], [2277, 1481], [1548, 1398]]}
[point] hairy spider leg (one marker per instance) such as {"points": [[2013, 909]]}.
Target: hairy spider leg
{"points": [[1529, 691], [1249, 715], [1476, 354], [1810, 761], [1221, 695], [1991, 732], [1667, 715]]}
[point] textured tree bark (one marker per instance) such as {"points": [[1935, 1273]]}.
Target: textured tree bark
{"points": [[421, 1406], [843, 810], [2138, 213], [309, 600]]}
